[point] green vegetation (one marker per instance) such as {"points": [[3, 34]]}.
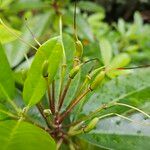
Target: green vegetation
{"points": [[71, 80]]}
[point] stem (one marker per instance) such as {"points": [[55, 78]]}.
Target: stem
{"points": [[136, 67], [13, 33], [51, 104], [9, 114], [41, 109], [53, 96], [126, 105], [62, 97], [62, 76], [75, 24], [34, 38], [126, 118], [63, 67], [91, 115], [59, 143], [73, 104], [60, 25]]}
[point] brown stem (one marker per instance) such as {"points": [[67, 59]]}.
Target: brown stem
{"points": [[89, 116], [62, 97], [73, 104], [50, 98], [53, 96], [41, 109]]}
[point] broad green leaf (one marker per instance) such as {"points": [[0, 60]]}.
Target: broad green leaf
{"points": [[119, 134], [132, 89], [120, 60], [28, 5], [90, 6], [3, 112], [24, 136], [35, 84], [106, 51], [17, 49], [7, 86], [6, 36]]}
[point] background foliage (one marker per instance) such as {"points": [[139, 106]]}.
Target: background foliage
{"points": [[113, 31]]}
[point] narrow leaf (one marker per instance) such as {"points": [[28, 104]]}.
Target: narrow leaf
{"points": [[35, 84], [106, 51], [7, 86]]}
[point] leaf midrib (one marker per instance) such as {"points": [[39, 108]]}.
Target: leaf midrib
{"points": [[11, 136]]}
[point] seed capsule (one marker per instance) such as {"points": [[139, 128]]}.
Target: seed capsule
{"points": [[74, 71], [47, 112], [45, 68], [79, 49], [91, 125], [98, 80]]}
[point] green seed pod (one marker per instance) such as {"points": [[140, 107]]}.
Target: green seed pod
{"points": [[74, 71], [74, 130], [45, 68], [91, 125], [97, 81], [79, 49], [47, 112]]}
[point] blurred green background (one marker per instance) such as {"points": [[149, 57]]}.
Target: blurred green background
{"points": [[124, 24]]}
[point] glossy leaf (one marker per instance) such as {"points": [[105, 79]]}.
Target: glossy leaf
{"points": [[24, 136], [35, 85], [5, 36], [119, 134], [132, 89], [7, 86], [3, 112], [106, 51]]}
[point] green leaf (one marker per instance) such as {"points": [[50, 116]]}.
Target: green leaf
{"points": [[120, 60], [5, 36], [24, 136], [138, 21], [3, 112], [90, 6], [28, 5], [7, 86], [132, 89], [5, 4], [119, 134], [106, 51], [121, 26], [35, 84]]}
